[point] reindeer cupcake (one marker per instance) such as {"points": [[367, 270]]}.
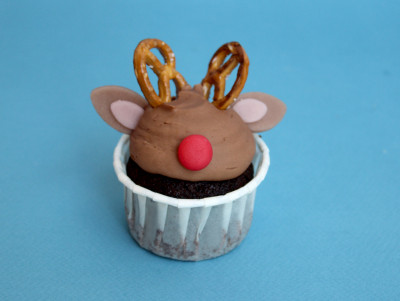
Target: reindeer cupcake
{"points": [[190, 166]]}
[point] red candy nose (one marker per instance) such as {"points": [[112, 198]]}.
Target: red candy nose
{"points": [[195, 152]]}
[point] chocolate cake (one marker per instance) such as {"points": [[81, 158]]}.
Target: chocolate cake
{"points": [[182, 189]]}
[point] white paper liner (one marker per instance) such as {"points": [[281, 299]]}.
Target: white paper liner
{"points": [[189, 229]]}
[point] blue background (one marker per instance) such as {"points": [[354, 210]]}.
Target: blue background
{"points": [[327, 219]]}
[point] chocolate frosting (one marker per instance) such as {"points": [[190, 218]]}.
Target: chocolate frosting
{"points": [[155, 140]]}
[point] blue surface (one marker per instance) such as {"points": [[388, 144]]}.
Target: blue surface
{"points": [[327, 218]]}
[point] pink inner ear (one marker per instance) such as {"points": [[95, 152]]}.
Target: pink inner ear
{"points": [[250, 109], [127, 113]]}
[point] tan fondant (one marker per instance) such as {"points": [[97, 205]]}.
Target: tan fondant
{"points": [[102, 98], [276, 109]]}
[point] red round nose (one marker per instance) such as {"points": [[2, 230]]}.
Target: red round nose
{"points": [[195, 152]]}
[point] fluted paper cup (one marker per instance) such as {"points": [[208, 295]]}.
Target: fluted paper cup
{"points": [[189, 229]]}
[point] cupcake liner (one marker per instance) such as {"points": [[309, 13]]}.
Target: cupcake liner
{"points": [[189, 229]]}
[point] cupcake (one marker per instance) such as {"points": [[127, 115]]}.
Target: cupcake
{"points": [[190, 166]]}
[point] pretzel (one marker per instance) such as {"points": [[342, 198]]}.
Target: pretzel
{"points": [[142, 57], [217, 73]]}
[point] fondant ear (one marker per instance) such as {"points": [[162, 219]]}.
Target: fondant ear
{"points": [[260, 111], [120, 107]]}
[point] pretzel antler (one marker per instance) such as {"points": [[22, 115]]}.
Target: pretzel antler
{"points": [[142, 57], [217, 73]]}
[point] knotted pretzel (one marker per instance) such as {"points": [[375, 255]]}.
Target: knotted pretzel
{"points": [[142, 57], [217, 73]]}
